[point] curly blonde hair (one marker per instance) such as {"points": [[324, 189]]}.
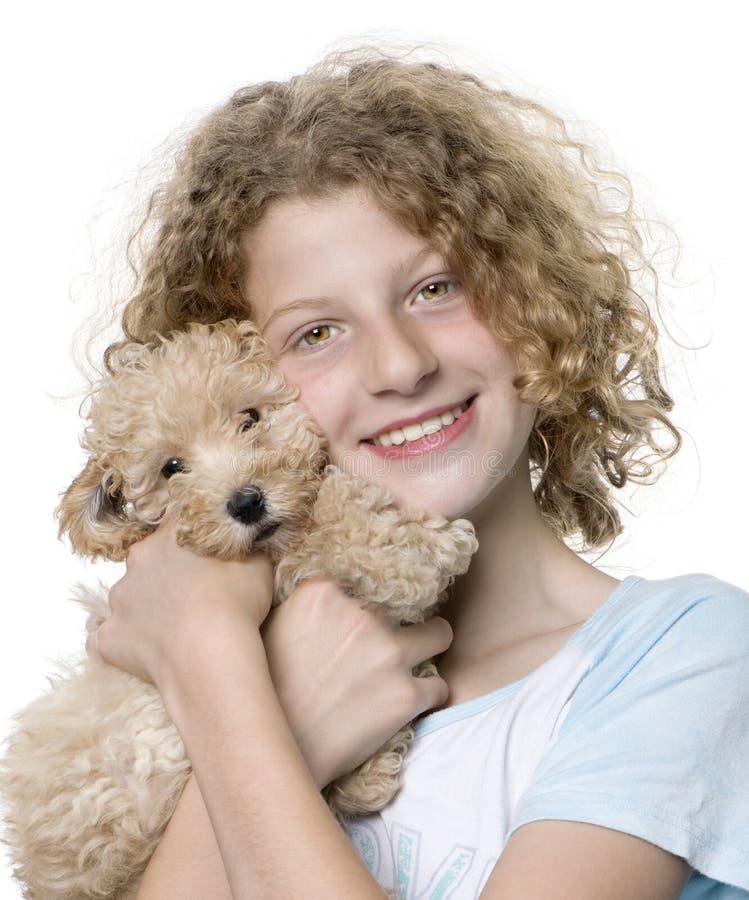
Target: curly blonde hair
{"points": [[496, 184]]}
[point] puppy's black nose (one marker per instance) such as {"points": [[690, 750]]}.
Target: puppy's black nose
{"points": [[247, 506]]}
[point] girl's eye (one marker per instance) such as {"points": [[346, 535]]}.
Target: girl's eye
{"points": [[435, 290], [318, 334]]}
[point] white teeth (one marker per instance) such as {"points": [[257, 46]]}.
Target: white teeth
{"points": [[413, 432], [432, 426]]}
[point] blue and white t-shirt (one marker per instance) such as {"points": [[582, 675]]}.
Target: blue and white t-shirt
{"points": [[639, 722]]}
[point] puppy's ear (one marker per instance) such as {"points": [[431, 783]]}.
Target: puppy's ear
{"points": [[249, 338], [92, 514]]}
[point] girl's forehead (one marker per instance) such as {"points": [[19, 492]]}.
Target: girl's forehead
{"points": [[303, 247], [314, 217]]}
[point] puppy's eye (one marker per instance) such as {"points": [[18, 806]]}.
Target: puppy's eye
{"points": [[252, 416], [171, 466]]}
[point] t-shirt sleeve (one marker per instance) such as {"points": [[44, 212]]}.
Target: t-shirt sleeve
{"points": [[655, 741]]}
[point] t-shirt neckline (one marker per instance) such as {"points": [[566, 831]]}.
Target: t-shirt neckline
{"points": [[432, 721]]}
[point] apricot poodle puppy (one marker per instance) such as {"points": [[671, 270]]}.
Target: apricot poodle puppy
{"points": [[199, 425]]}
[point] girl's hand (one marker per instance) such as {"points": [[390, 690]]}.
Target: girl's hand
{"points": [[344, 676], [170, 598]]}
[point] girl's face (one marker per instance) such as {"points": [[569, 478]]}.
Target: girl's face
{"points": [[407, 384]]}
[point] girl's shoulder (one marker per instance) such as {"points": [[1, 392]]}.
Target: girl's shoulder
{"points": [[653, 740], [644, 614]]}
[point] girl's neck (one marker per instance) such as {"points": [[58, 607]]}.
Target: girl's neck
{"points": [[523, 581]]}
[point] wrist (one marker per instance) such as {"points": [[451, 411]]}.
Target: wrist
{"points": [[205, 660], [200, 675]]}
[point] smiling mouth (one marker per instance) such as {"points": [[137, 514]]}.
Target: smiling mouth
{"points": [[418, 430]]}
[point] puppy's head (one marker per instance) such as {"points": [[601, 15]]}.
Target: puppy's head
{"points": [[200, 425]]}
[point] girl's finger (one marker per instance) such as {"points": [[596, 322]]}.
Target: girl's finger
{"points": [[426, 640], [430, 692]]}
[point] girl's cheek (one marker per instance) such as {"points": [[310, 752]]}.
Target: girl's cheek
{"points": [[327, 390], [296, 372], [318, 403]]}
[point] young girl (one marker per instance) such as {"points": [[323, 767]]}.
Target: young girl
{"points": [[420, 248]]}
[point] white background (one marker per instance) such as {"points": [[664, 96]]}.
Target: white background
{"points": [[92, 92]]}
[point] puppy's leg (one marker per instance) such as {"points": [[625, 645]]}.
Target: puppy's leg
{"points": [[397, 561]]}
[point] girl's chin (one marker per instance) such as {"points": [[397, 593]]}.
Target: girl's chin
{"points": [[443, 498], [451, 493]]}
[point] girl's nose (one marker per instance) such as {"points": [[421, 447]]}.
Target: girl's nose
{"points": [[396, 357]]}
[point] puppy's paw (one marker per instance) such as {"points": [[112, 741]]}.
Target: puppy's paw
{"points": [[372, 785]]}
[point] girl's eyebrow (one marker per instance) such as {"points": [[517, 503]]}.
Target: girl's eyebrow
{"points": [[411, 261], [307, 302], [303, 303]]}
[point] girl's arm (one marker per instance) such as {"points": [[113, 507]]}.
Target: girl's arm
{"points": [[551, 860], [276, 835], [187, 863], [548, 859], [192, 625]]}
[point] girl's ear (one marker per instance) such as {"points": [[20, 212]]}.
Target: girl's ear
{"points": [[92, 514]]}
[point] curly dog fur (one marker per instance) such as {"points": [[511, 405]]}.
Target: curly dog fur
{"points": [[202, 426]]}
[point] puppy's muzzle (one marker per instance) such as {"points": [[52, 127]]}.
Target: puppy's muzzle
{"points": [[247, 506]]}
